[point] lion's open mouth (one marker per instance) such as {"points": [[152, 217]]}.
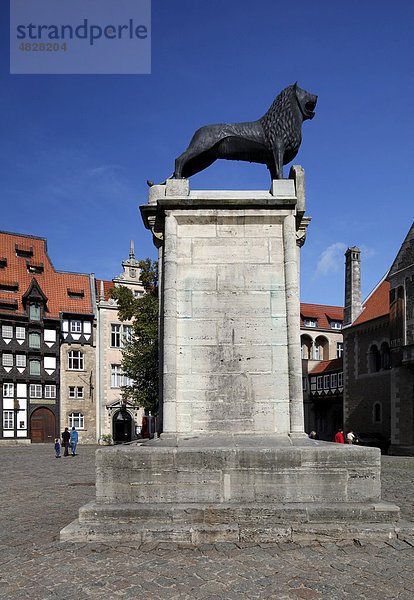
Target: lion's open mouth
{"points": [[310, 107]]}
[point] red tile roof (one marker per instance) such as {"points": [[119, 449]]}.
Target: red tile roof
{"points": [[328, 365], [107, 286], [54, 284], [377, 304], [321, 312]]}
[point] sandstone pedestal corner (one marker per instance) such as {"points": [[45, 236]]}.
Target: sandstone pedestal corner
{"points": [[233, 462]]}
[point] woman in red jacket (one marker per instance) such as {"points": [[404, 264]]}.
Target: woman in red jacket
{"points": [[339, 437]]}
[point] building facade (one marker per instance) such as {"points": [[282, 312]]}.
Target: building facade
{"points": [[115, 417], [321, 342], [34, 298], [379, 356]]}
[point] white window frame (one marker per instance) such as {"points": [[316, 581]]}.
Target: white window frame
{"points": [[76, 357], [334, 381], [76, 326], [50, 391], [8, 419], [336, 324], [20, 333], [115, 335], [310, 322], [76, 392], [339, 349], [21, 360], [319, 382], [7, 359], [341, 379], [8, 390], [35, 390], [326, 380], [76, 420], [116, 376], [7, 332]]}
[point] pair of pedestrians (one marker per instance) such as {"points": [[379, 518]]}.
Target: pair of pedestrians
{"points": [[68, 439]]}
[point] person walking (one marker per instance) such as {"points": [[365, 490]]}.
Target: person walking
{"points": [[57, 448], [339, 437], [350, 437], [66, 441], [73, 440]]}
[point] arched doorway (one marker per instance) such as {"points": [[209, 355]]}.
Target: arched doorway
{"points": [[42, 426], [122, 427]]}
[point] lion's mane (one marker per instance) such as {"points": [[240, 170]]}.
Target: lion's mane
{"points": [[275, 127]]}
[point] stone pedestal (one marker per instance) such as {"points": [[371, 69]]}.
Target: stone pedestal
{"points": [[233, 462]]}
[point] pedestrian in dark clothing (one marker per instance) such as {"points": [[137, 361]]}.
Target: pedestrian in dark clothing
{"points": [[65, 441]]}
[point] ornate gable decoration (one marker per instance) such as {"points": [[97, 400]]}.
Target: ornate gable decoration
{"points": [[34, 292]]}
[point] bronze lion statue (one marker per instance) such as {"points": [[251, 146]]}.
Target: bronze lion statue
{"points": [[273, 140]]}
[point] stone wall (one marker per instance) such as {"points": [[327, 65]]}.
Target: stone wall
{"points": [[363, 387]]}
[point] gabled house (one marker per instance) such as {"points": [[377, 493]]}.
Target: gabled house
{"points": [[36, 302], [115, 417]]}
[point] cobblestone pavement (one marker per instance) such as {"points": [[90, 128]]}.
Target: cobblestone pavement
{"points": [[40, 495]]}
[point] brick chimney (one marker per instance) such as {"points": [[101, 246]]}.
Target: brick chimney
{"points": [[352, 284]]}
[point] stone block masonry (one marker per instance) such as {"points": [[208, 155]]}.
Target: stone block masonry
{"points": [[230, 309], [233, 462]]}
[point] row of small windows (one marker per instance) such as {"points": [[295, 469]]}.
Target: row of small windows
{"points": [[35, 390], [313, 322], [75, 419], [379, 359], [76, 361], [34, 337], [20, 360], [120, 335], [326, 382]]}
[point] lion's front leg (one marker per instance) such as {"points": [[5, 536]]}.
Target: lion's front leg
{"points": [[277, 171]]}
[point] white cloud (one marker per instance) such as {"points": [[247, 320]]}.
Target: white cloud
{"points": [[367, 252], [331, 260]]}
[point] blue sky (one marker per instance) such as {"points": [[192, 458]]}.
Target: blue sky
{"points": [[76, 151]]}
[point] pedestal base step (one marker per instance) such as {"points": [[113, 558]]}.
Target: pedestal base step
{"points": [[198, 524]]}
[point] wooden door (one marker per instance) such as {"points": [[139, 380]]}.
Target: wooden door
{"points": [[42, 426]]}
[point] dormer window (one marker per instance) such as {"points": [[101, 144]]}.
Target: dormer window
{"points": [[23, 251], [34, 312], [75, 293], [11, 286], [3, 262], [34, 268], [310, 322], [76, 326], [336, 324]]}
